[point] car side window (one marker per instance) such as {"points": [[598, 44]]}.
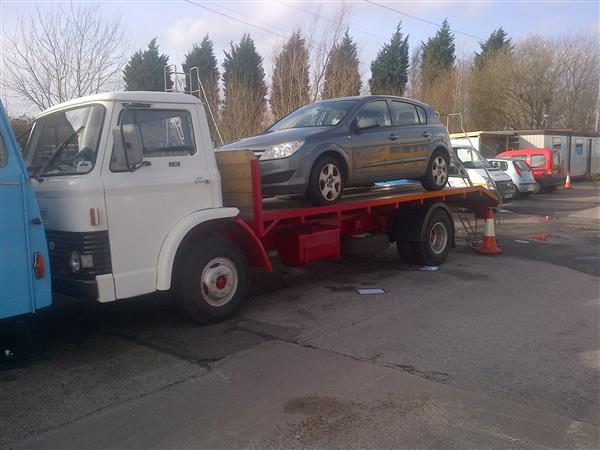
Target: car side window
{"points": [[377, 110], [503, 166], [422, 115], [164, 132], [3, 153], [405, 113]]}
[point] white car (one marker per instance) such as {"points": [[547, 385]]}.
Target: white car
{"points": [[481, 173], [519, 172]]}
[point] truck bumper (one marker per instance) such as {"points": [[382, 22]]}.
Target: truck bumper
{"points": [[75, 288]]}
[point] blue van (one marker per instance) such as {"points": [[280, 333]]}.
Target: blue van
{"points": [[24, 270]]}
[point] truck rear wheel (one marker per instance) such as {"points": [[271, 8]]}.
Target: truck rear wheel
{"points": [[434, 248], [214, 280]]}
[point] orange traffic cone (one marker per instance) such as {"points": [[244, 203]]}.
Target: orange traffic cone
{"points": [[568, 184], [489, 246]]}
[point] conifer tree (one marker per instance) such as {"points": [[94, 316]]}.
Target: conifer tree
{"points": [[438, 54], [389, 70], [342, 77], [203, 57], [497, 41], [245, 90], [145, 70], [289, 86]]}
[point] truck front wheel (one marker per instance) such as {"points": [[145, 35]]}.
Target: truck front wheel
{"points": [[214, 280]]}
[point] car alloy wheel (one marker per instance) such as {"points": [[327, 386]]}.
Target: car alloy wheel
{"points": [[439, 170], [330, 182]]}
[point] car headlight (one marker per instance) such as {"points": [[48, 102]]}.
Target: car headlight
{"points": [[281, 150], [75, 261]]}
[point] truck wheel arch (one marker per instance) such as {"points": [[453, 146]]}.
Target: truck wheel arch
{"points": [[200, 223]]}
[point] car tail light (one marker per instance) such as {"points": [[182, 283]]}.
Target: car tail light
{"points": [[39, 266], [517, 168]]}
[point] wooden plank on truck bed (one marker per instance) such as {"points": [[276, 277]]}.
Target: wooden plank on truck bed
{"points": [[236, 180]]}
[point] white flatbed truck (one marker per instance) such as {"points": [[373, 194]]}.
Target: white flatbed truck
{"points": [[135, 200]]}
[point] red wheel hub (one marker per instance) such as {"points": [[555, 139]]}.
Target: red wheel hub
{"points": [[221, 282]]}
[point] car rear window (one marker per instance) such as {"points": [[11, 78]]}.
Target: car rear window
{"points": [[538, 161], [521, 165]]}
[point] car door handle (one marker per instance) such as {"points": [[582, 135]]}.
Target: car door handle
{"points": [[426, 134], [393, 137], [201, 180]]}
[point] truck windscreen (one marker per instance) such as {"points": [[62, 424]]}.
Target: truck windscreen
{"points": [[65, 142]]}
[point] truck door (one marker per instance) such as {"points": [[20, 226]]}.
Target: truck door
{"points": [[23, 287], [144, 205]]}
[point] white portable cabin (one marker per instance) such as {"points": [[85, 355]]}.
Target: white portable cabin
{"points": [[580, 152]]}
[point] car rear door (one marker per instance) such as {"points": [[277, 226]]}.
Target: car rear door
{"points": [[410, 148]]}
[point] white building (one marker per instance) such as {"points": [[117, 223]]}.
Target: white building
{"points": [[580, 151]]}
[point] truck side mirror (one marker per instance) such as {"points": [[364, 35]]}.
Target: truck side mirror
{"points": [[127, 148]]}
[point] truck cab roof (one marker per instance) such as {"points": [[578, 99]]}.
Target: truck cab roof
{"points": [[129, 96]]}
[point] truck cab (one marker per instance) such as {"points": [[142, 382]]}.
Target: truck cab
{"points": [[24, 271], [121, 179]]}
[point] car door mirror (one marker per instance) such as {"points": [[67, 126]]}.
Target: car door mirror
{"points": [[364, 123], [127, 150]]}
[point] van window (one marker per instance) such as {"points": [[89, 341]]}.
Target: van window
{"points": [[405, 113], [164, 132], [538, 161], [519, 157], [3, 153]]}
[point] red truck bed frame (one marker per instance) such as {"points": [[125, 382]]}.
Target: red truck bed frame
{"points": [[302, 233]]}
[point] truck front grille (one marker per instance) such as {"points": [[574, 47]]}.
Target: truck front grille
{"points": [[62, 243]]}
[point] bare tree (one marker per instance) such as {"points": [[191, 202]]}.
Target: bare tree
{"points": [[321, 43], [59, 53]]}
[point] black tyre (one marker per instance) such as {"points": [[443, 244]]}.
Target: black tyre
{"points": [[326, 182], [213, 281], [434, 249], [408, 252], [550, 188], [436, 177], [517, 193]]}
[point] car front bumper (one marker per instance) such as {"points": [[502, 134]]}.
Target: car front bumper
{"points": [[285, 175]]}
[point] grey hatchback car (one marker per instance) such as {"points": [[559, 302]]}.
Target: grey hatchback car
{"points": [[321, 148]]}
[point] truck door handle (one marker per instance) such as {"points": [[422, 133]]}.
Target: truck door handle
{"points": [[201, 180], [393, 137], [426, 134], [36, 221]]}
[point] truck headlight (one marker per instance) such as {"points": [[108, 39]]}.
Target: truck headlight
{"points": [[75, 261], [282, 150]]}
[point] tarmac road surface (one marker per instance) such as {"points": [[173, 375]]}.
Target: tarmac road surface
{"points": [[485, 352]]}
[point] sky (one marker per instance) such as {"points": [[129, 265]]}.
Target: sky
{"points": [[177, 24]]}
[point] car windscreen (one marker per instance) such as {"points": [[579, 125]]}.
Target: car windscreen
{"points": [[471, 158], [65, 142], [322, 114]]}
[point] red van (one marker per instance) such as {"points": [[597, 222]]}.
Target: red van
{"points": [[545, 163]]}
